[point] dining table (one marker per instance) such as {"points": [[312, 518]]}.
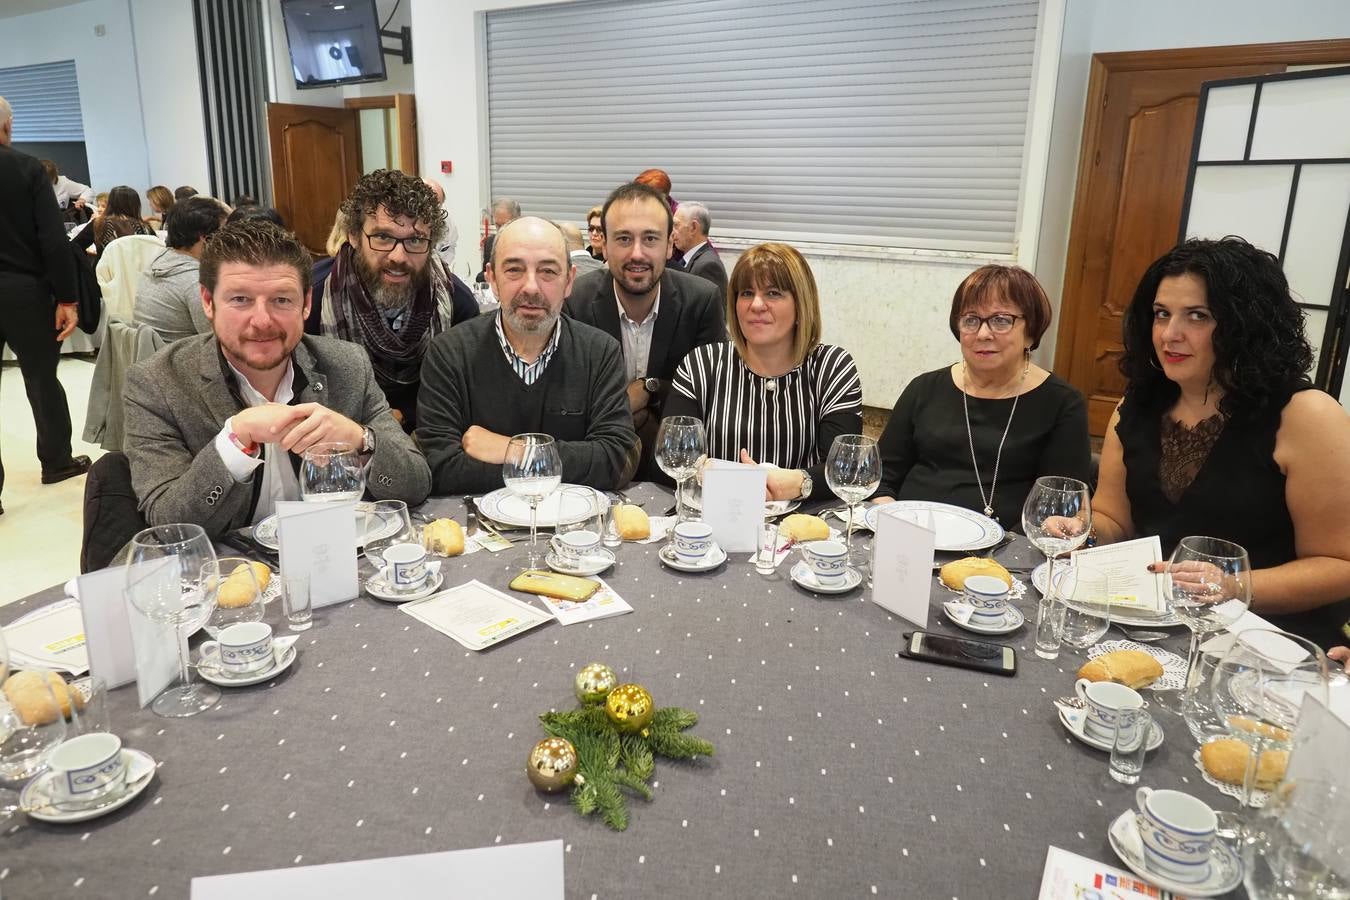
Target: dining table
{"points": [[841, 769]]}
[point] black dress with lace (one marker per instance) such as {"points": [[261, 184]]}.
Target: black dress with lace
{"points": [[1219, 479]]}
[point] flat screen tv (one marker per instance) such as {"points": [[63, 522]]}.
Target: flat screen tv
{"points": [[333, 42]]}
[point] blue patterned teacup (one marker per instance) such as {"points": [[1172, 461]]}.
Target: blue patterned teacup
{"points": [[242, 648], [828, 561], [87, 767], [693, 541], [1178, 833], [1104, 699], [988, 599]]}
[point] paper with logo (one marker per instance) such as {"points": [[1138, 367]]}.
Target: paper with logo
{"points": [[155, 643], [1125, 565], [50, 637], [733, 504], [320, 538], [600, 605], [476, 615], [107, 626], [902, 566], [1068, 876]]}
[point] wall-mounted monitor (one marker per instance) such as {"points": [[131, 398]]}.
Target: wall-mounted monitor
{"points": [[333, 42]]}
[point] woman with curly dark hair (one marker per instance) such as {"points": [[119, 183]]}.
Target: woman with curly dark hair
{"points": [[1221, 433]]}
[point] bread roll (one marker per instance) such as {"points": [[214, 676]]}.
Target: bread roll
{"points": [[1132, 668], [1225, 760], [34, 705], [1251, 726], [243, 585], [631, 522], [800, 528], [955, 573], [444, 537], [261, 573]]}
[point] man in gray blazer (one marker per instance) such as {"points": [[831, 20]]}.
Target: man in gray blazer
{"points": [[690, 232], [216, 424]]}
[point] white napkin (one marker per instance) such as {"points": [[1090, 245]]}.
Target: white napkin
{"points": [[960, 612], [660, 528]]}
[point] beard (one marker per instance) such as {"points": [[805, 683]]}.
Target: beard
{"points": [[385, 295], [522, 325], [639, 282], [244, 351]]}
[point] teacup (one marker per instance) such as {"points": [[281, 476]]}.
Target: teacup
{"points": [[693, 540], [406, 566], [1178, 833], [87, 767], [574, 547], [827, 559], [243, 647], [1103, 699], [987, 597]]}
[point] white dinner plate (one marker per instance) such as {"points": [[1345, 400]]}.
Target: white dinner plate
{"points": [[370, 526], [958, 528], [693, 500], [562, 507], [1040, 577]]}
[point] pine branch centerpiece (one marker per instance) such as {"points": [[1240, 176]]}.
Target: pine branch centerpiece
{"points": [[609, 743]]}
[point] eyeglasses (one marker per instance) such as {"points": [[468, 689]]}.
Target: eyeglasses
{"points": [[999, 323], [595, 229], [415, 245]]}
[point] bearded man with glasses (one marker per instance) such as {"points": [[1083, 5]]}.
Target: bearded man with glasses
{"points": [[386, 290]]}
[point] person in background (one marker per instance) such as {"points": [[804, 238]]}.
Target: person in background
{"points": [[504, 210], [184, 192], [37, 299], [121, 216], [773, 393], [68, 192], [243, 200], [255, 211], [337, 236], [160, 199], [979, 433], [576, 249], [446, 248], [1221, 433], [168, 297], [595, 232], [692, 223]]}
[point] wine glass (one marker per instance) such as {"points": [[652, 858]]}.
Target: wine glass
{"points": [[853, 473], [331, 473], [391, 523], [1256, 692], [1208, 585], [1087, 610], [1295, 844], [176, 601], [1056, 518], [238, 595], [680, 445], [532, 470]]}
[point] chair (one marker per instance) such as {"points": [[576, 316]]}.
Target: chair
{"points": [[119, 271], [111, 513], [123, 345]]}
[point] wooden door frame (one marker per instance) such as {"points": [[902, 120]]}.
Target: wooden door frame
{"points": [[1103, 66], [405, 116]]}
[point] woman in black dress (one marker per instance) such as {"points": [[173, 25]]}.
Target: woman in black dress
{"points": [[980, 432], [1221, 433]]}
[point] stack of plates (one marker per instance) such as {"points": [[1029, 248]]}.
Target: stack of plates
{"points": [[958, 529]]}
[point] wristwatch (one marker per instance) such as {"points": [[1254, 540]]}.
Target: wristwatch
{"points": [[652, 385], [807, 485], [367, 440]]}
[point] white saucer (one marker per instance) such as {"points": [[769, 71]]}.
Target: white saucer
{"points": [[599, 560], [378, 588], [716, 556], [282, 657], [801, 574], [1225, 868], [1013, 619], [1073, 723], [140, 770]]}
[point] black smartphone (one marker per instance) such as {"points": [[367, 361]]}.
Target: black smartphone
{"points": [[950, 651]]}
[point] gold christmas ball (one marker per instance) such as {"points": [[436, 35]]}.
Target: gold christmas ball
{"points": [[552, 765], [594, 682], [630, 708]]}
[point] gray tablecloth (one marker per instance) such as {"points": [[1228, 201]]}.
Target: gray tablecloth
{"points": [[841, 770]]}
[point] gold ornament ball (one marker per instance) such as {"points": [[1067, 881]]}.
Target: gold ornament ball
{"points": [[594, 682], [630, 708], [552, 765]]}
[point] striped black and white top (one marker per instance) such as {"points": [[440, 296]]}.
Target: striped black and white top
{"points": [[789, 421]]}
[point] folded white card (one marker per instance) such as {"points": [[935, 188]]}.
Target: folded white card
{"points": [[733, 505], [320, 538], [475, 615], [49, 637], [902, 566], [1125, 565], [107, 626], [156, 643]]}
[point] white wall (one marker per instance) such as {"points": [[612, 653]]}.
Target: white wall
{"points": [[171, 93]]}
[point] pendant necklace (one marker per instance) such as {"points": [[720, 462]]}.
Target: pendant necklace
{"points": [[998, 457]]}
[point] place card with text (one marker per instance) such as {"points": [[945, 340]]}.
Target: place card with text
{"points": [[733, 505], [320, 538], [902, 566]]}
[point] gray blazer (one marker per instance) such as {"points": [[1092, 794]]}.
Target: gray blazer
{"points": [[707, 264], [177, 400]]}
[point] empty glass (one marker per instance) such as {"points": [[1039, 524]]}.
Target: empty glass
{"points": [[1130, 745], [296, 601], [532, 470], [680, 446], [1056, 518], [89, 711], [30, 731], [766, 559], [332, 473], [1295, 846], [853, 473], [238, 595], [1087, 610]]}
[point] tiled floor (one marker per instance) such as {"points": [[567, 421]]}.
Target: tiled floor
{"points": [[40, 530]]}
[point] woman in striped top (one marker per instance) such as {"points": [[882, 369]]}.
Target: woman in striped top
{"points": [[774, 393]]}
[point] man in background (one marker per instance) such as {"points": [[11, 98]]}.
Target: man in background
{"points": [[504, 211], [576, 250], [37, 299], [446, 248], [168, 297], [692, 223]]}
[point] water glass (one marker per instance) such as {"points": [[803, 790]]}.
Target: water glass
{"points": [[1130, 744], [681, 445], [1295, 845], [332, 473], [1056, 518], [28, 737], [532, 470], [296, 601], [89, 711], [1086, 613], [766, 558], [853, 473]]}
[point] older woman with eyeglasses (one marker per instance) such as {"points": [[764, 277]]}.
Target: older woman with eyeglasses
{"points": [[980, 432]]}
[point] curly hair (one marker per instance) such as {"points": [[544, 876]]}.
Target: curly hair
{"points": [[1259, 345], [400, 194], [257, 242]]}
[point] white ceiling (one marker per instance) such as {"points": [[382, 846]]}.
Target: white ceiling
{"points": [[11, 8]]}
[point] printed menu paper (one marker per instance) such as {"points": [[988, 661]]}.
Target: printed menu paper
{"points": [[320, 538], [902, 566], [50, 637], [1069, 876], [531, 871], [156, 644], [600, 605], [733, 505], [107, 625], [1133, 587], [475, 615]]}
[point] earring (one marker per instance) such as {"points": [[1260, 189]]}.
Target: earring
{"points": [[1153, 361]]}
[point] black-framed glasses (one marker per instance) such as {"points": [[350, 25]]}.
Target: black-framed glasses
{"points": [[999, 323], [415, 245]]}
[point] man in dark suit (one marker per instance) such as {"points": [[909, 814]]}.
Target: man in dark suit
{"points": [[690, 232], [658, 315], [37, 298]]}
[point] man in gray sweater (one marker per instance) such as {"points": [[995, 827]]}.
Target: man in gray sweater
{"points": [[525, 369], [168, 298]]}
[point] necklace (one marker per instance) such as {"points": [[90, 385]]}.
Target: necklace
{"points": [[998, 457]]}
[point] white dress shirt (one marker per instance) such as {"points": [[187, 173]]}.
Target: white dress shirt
{"points": [[637, 338], [279, 481]]}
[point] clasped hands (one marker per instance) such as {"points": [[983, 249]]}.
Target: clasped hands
{"points": [[781, 484], [295, 428]]}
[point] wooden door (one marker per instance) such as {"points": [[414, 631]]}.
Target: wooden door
{"points": [[315, 165]]}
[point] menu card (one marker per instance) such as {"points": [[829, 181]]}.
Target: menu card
{"points": [[475, 615], [902, 566], [51, 637], [733, 504], [600, 605], [1125, 566], [107, 625], [320, 538], [1068, 876]]}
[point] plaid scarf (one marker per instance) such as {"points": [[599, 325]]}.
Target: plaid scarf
{"points": [[350, 314]]}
